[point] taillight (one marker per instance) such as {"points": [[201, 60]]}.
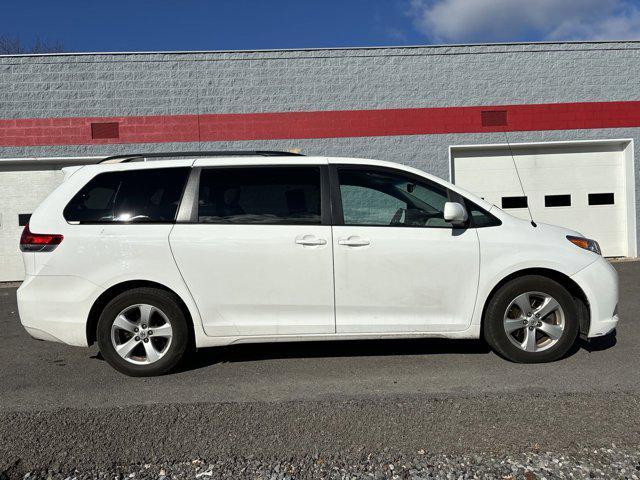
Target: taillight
{"points": [[38, 242]]}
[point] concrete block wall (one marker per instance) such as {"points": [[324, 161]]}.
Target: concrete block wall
{"points": [[302, 80], [125, 85], [61, 86]]}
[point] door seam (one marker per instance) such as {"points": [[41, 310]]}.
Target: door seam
{"points": [[333, 275], [186, 285]]}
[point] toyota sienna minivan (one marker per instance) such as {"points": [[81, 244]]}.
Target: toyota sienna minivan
{"points": [[151, 255]]}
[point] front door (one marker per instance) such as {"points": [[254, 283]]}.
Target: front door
{"points": [[257, 255], [399, 267]]}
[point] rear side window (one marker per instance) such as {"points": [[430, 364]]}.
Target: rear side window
{"points": [[129, 196], [260, 195]]}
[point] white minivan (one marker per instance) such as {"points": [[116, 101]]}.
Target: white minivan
{"points": [[151, 255]]}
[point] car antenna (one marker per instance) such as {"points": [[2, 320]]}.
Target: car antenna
{"points": [[515, 166]]}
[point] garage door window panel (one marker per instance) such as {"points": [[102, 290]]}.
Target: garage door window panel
{"points": [[23, 219], [557, 201], [262, 195], [515, 202], [601, 199], [379, 198]]}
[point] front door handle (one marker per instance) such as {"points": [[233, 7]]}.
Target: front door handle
{"points": [[354, 242], [310, 240]]}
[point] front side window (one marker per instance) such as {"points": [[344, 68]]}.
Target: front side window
{"points": [[480, 218], [148, 195], [260, 195], [374, 197]]}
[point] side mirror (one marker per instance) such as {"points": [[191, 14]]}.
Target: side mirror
{"points": [[455, 213]]}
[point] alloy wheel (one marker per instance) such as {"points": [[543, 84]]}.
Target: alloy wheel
{"points": [[534, 321], [141, 334]]}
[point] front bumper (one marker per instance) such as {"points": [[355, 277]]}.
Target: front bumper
{"points": [[599, 282], [56, 308]]}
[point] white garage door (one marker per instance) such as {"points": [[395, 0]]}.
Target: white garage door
{"points": [[582, 186], [21, 191]]}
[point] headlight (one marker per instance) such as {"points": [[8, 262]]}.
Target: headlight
{"points": [[585, 243]]}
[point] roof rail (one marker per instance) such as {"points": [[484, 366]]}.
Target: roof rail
{"points": [[221, 153]]}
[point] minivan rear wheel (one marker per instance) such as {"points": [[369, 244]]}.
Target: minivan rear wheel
{"points": [[143, 332], [531, 319]]}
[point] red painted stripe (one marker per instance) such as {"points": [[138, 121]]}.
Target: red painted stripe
{"points": [[323, 124]]}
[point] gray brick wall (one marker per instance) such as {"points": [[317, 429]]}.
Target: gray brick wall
{"points": [[332, 79], [147, 84]]}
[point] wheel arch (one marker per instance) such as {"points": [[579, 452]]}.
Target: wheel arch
{"points": [[117, 289], [582, 302]]}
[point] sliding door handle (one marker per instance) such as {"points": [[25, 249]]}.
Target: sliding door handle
{"points": [[354, 242], [310, 240]]}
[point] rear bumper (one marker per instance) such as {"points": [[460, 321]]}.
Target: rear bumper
{"points": [[599, 282], [56, 308]]}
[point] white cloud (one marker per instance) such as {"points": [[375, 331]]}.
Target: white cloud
{"points": [[512, 20]]}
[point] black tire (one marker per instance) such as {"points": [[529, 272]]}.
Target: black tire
{"points": [[494, 329], [160, 299]]}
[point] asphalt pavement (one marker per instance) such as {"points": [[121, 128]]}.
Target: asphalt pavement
{"points": [[63, 408]]}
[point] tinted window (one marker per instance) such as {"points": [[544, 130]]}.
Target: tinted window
{"points": [[480, 218], [260, 195], [130, 196], [372, 197]]}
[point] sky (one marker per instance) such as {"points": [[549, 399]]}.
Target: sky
{"points": [[161, 25]]}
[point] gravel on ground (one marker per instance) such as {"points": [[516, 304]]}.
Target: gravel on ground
{"points": [[601, 463]]}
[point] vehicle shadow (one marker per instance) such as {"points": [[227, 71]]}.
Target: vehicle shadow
{"points": [[359, 348], [251, 352], [345, 348], [599, 344]]}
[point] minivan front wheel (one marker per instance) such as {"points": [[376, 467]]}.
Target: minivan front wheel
{"points": [[531, 319], [143, 332]]}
